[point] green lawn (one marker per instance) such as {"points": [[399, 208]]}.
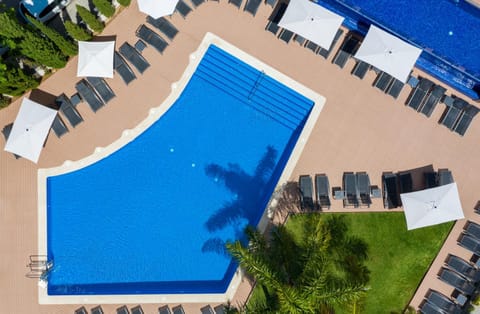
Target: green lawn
{"points": [[398, 258]]}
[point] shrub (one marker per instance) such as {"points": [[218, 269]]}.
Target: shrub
{"points": [[9, 25], [77, 32], [4, 101], [124, 3], [42, 50], [66, 46], [104, 7], [90, 19], [15, 83]]}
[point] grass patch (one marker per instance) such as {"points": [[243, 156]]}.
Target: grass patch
{"points": [[398, 258]]}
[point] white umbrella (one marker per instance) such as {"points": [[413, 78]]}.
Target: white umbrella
{"points": [[157, 8], [388, 53], [311, 21], [30, 130], [432, 206], [95, 58]]}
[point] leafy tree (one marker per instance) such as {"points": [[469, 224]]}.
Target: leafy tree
{"points": [[67, 47], [77, 32], [311, 272], [14, 82], [42, 50], [124, 3], [9, 25], [90, 19], [105, 7]]}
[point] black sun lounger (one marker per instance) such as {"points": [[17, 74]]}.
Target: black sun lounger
{"points": [[7, 129], [326, 53], [123, 310], [390, 191], [463, 267], [383, 81], [252, 6], [444, 177], [363, 184], [207, 309], [197, 3], [395, 88], [286, 35], [322, 187], [81, 310], [418, 94], [442, 302], [97, 310], [473, 229], [405, 182], [123, 69], [237, 3], [456, 281], [59, 127], [183, 9], [306, 192], [453, 113], [360, 69], [151, 38], [88, 95], [164, 310], [430, 179], [427, 308], [68, 110], [272, 25], [465, 119], [178, 309], [102, 88], [134, 57], [348, 48], [271, 3], [312, 46], [163, 25], [470, 243], [350, 188], [432, 100], [137, 310]]}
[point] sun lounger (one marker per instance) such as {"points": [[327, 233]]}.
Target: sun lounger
{"points": [[442, 302], [137, 310], [363, 184], [237, 3], [456, 281], [473, 229], [463, 267], [348, 48], [312, 46], [183, 9], [383, 81], [326, 53], [418, 94], [68, 110], [123, 310], [470, 243], [252, 6], [432, 100], [207, 309], [430, 179], [219, 309], [271, 3], [178, 309], [395, 88], [299, 39], [102, 88], [59, 127], [97, 310], [164, 310], [134, 57], [390, 191], [465, 119], [123, 69], [163, 25], [286, 35], [7, 129], [427, 308], [88, 95], [350, 188], [322, 188], [272, 25], [360, 69], [306, 192], [151, 38], [196, 3], [444, 177], [405, 182], [81, 310]]}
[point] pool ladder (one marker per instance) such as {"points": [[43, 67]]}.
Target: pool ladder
{"points": [[260, 76], [39, 266]]}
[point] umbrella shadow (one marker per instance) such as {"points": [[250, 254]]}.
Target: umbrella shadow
{"points": [[44, 98]]}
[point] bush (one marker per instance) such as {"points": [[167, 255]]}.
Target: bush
{"points": [[4, 102], [124, 3], [76, 32], [66, 46], [16, 82], [42, 50], [104, 7], [90, 19]]}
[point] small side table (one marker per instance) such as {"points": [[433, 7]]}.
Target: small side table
{"points": [[140, 45], [375, 192], [75, 99], [338, 193]]}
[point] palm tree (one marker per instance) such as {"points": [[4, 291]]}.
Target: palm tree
{"points": [[313, 270]]}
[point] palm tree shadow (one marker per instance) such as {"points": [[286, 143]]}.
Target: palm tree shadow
{"points": [[249, 194]]}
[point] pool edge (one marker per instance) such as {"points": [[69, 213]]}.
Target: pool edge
{"points": [[129, 135]]}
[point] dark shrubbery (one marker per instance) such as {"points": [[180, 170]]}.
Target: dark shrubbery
{"points": [[90, 19], [77, 32], [66, 46], [124, 3], [104, 7]]}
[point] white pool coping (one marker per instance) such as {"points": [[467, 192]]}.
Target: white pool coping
{"points": [[129, 135]]}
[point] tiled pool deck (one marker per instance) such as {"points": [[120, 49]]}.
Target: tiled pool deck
{"points": [[359, 129]]}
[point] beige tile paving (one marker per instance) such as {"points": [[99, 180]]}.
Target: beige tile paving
{"points": [[359, 129]]}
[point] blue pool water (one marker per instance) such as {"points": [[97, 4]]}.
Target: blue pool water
{"points": [[447, 30], [153, 217]]}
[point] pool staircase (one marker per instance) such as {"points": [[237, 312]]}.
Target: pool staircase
{"points": [[39, 266], [254, 88]]}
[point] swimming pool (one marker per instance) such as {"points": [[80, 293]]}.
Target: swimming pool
{"points": [[153, 216], [447, 31]]}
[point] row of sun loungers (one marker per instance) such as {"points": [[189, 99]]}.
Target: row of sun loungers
{"points": [[164, 26], [458, 114], [134, 57], [138, 310], [437, 303], [151, 38], [322, 188]]}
